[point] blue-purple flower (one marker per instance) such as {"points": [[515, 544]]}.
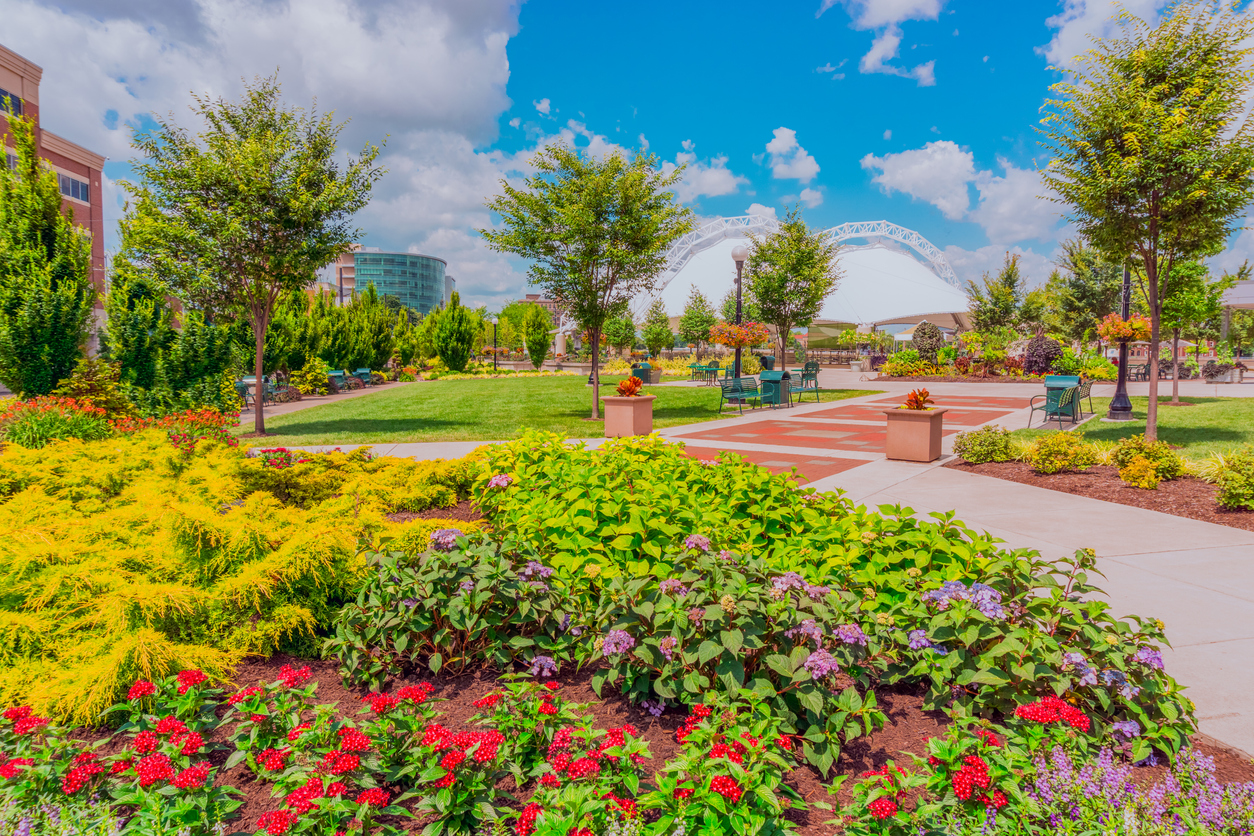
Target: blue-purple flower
{"points": [[1086, 673], [500, 480], [617, 641], [1150, 657], [667, 646], [445, 539], [535, 569], [697, 542], [919, 640], [820, 663], [809, 629], [673, 586], [986, 599], [815, 591], [542, 666], [850, 634], [1127, 728], [466, 586]]}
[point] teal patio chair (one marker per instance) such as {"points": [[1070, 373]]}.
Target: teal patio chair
{"points": [[1059, 403]]}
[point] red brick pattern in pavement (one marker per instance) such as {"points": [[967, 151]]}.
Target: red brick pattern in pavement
{"points": [[959, 415], [812, 468], [833, 436], [973, 401]]}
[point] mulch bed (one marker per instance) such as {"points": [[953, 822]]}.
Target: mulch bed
{"points": [[1184, 497], [907, 730], [463, 510]]}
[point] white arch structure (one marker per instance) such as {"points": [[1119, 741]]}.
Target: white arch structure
{"points": [[875, 233]]}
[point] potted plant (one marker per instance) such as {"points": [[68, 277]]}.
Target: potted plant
{"points": [[628, 413], [914, 429]]}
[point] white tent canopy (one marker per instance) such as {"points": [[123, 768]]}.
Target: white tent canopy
{"points": [[1240, 295], [890, 275]]}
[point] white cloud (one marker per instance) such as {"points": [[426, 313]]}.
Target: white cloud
{"points": [[888, 134], [811, 197], [973, 264], [885, 16], [1242, 250], [703, 178], [1082, 20], [1013, 207], [644, 143], [543, 106], [515, 122], [938, 173], [759, 209], [789, 161]]}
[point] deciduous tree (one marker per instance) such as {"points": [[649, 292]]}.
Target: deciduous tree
{"points": [[657, 333], [1153, 152], [596, 228], [697, 319], [537, 327]]}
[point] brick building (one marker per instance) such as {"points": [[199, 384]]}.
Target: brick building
{"points": [[78, 170]]}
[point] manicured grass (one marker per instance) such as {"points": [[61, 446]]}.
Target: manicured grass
{"points": [[1210, 425], [484, 410]]}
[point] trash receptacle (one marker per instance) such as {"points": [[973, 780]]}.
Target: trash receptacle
{"points": [[768, 362]]}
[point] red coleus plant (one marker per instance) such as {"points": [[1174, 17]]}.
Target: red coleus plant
{"points": [[917, 399], [629, 388]]}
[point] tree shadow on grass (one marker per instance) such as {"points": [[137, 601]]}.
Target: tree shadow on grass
{"points": [[367, 426]]}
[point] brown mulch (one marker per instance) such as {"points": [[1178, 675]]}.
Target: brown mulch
{"points": [[906, 732], [1184, 497], [463, 510]]}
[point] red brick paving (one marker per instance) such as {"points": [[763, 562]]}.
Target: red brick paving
{"points": [[812, 468], [875, 412], [863, 438], [969, 401]]}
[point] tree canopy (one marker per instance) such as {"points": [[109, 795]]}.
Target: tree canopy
{"points": [[1003, 300], [656, 332], [697, 319], [596, 229]]}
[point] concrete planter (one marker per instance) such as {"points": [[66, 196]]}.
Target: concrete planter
{"points": [[914, 435], [628, 416]]}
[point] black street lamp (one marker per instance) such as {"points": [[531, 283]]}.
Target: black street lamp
{"points": [[1120, 405], [493, 344], [739, 253]]}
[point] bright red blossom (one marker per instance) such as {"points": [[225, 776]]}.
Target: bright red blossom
{"points": [[190, 679], [726, 787], [882, 808], [192, 777], [374, 797], [278, 822], [142, 688]]}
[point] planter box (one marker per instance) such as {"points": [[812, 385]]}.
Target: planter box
{"points": [[628, 416], [914, 435]]}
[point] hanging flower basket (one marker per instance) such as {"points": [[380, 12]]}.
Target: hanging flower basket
{"points": [[739, 336], [1116, 329]]}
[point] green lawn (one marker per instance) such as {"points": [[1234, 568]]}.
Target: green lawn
{"points": [[484, 410], [1210, 425]]}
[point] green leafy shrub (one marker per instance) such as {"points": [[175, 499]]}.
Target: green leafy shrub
{"points": [[1167, 463], [927, 339], [95, 381], [1141, 473], [987, 444], [1060, 451], [454, 336], [312, 378], [1235, 478], [452, 606], [1041, 355], [36, 423]]}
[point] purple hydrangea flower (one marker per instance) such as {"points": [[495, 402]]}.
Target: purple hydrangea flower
{"points": [[727, 556], [815, 591], [535, 569], [987, 600], [466, 586], [1127, 728], [851, 634], [696, 615], [410, 602], [668, 646], [617, 641], [654, 708], [673, 586], [1150, 657], [918, 640], [697, 542], [940, 650], [787, 581], [445, 540], [809, 629], [500, 480], [542, 666], [820, 663], [1075, 661]]}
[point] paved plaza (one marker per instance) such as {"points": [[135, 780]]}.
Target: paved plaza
{"points": [[1197, 577]]}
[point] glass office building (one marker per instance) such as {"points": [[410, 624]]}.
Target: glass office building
{"points": [[417, 280]]}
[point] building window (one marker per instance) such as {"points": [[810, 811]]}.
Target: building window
{"points": [[10, 103], [10, 160], [76, 189]]}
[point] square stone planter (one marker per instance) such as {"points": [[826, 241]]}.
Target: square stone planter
{"points": [[628, 416], [914, 435]]}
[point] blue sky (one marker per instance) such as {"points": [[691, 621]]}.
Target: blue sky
{"points": [[921, 112]]}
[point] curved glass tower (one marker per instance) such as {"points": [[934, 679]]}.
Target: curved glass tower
{"points": [[417, 280]]}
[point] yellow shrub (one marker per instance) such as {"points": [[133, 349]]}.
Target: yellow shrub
{"points": [[414, 537], [1141, 473]]}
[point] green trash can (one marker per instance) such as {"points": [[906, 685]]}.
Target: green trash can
{"points": [[768, 362]]}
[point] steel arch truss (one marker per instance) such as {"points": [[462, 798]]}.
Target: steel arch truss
{"points": [[875, 233]]}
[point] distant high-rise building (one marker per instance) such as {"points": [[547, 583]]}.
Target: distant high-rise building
{"points": [[419, 281], [78, 170]]}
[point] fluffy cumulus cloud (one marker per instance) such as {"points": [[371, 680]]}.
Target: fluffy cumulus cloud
{"points": [[543, 106], [702, 178], [1014, 206], [759, 209], [885, 17], [938, 173], [1082, 20], [427, 75], [811, 197], [973, 264], [788, 160]]}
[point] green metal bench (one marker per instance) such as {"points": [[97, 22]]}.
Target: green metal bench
{"points": [[738, 390], [1059, 403], [1085, 393], [364, 376]]}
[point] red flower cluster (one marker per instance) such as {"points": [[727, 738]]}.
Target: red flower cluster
{"points": [[887, 804], [382, 703], [84, 766], [190, 679], [301, 800], [626, 806], [726, 787], [278, 822], [295, 733], [417, 694], [145, 743], [551, 781], [527, 819], [17, 712], [552, 686], [734, 752], [1053, 710], [239, 696], [29, 724], [194, 776], [273, 760], [988, 737], [13, 768], [562, 760], [375, 797], [293, 678], [154, 768], [142, 688], [489, 701], [683, 792], [336, 762], [459, 746], [699, 713], [354, 740], [974, 773], [171, 725], [883, 807]]}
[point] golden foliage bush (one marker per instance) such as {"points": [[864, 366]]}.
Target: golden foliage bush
{"points": [[126, 558]]}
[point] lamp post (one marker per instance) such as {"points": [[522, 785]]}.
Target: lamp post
{"points": [[493, 344], [1120, 406], [739, 253]]}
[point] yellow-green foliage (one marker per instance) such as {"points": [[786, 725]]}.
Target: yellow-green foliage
{"points": [[416, 537], [126, 558], [1141, 473], [1060, 451]]}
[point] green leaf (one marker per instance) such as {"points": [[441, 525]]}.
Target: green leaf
{"points": [[733, 640], [708, 650]]}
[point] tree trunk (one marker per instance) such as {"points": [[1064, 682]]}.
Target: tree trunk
{"points": [[259, 333], [596, 373], [1156, 315], [1175, 365]]}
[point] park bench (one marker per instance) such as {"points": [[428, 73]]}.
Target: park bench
{"points": [[736, 391]]}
